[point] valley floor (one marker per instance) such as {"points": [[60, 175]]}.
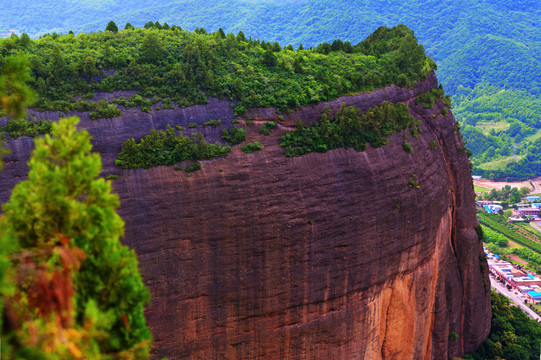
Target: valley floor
{"points": [[498, 185]]}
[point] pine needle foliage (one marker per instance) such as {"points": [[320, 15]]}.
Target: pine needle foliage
{"points": [[90, 294]]}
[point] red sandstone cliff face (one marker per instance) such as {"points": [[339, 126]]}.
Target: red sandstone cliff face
{"points": [[323, 256]]}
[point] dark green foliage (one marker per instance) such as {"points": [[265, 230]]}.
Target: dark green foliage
{"points": [[252, 147], [266, 128], [430, 98], [491, 236], [193, 167], [192, 125], [165, 147], [453, 336], [221, 33], [348, 128], [407, 147], [240, 110], [433, 145], [528, 165], [167, 104], [213, 123], [234, 136], [511, 195], [111, 177], [16, 128], [491, 221], [513, 335], [112, 27], [105, 111], [188, 67]]}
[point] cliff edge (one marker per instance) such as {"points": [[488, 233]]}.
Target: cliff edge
{"points": [[328, 255]]}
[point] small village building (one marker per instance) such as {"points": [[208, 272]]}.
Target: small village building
{"points": [[532, 198], [524, 281], [534, 296], [476, 177], [493, 209], [524, 289], [529, 211]]}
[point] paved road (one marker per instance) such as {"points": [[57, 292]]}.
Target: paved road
{"points": [[517, 299]]}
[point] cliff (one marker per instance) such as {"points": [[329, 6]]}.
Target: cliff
{"points": [[328, 255]]}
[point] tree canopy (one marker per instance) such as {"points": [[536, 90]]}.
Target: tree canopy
{"points": [[189, 66]]}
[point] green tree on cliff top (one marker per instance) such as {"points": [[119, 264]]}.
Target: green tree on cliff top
{"points": [[112, 27]]}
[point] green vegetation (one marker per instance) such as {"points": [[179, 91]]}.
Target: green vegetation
{"points": [[252, 147], [61, 254], [193, 167], [348, 128], [508, 194], [487, 52], [502, 131], [499, 164], [16, 128], [104, 110], [480, 189], [15, 95], [492, 221], [165, 147], [213, 123], [407, 147], [234, 136], [111, 177], [491, 236], [513, 335], [266, 128], [186, 67], [430, 98]]}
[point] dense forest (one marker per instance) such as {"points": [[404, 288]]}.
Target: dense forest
{"points": [[167, 65], [513, 335], [488, 52]]}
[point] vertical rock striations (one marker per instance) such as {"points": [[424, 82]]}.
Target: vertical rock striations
{"points": [[328, 255]]}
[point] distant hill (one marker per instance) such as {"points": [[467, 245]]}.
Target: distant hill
{"points": [[488, 52]]}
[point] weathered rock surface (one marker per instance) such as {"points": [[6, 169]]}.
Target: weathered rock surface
{"points": [[323, 256]]}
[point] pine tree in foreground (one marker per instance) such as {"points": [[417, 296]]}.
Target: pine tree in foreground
{"points": [[69, 288]]}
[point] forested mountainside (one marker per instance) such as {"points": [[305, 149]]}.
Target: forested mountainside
{"points": [[173, 66], [488, 52]]}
